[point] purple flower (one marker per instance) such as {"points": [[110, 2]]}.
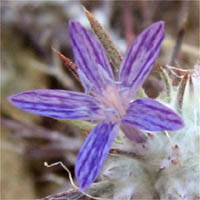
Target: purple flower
{"points": [[105, 100]]}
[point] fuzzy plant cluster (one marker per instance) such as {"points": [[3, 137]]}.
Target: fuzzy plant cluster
{"points": [[167, 165], [144, 148]]}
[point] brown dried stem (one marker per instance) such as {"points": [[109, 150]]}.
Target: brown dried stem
{"points": [[125, 153], [68, 195], [181, 32], [178, 44], [128, 22], [97, 189], [148, 10]]}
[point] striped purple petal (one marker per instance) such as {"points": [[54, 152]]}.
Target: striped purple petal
{"points": [[141, 56], [148, 114], [94, 152], [59, 104], [90, 57]]}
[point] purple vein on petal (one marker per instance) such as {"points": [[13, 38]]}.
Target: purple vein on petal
{"points": [[61, 104], [83, 62], [89, 55], [94, 152], [127, 62], [93, 162], [141, 57], [99, 53], [143, 74], [148, 114], [137, 45]]}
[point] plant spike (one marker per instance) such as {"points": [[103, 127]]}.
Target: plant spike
{"points": [[165, 77], [68, 63], [114, 56], [181, 92]]}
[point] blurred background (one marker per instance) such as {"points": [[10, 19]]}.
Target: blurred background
{"points": [[29, 30]]}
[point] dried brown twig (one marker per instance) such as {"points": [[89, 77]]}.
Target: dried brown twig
{"points": [[97, 189], [125, 153], [128, 22], [178, 44], [181, 32], [67, 195]]}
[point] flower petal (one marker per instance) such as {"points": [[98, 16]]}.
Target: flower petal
{"points": [[60, 104], [133, 133], [141, 56], [148, 114], [90, 56], [94, 152]]}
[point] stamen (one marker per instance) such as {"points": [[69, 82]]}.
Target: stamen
{"points": [[112, 102]]}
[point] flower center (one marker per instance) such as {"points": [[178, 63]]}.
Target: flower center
{"points": [[113, 103]]}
